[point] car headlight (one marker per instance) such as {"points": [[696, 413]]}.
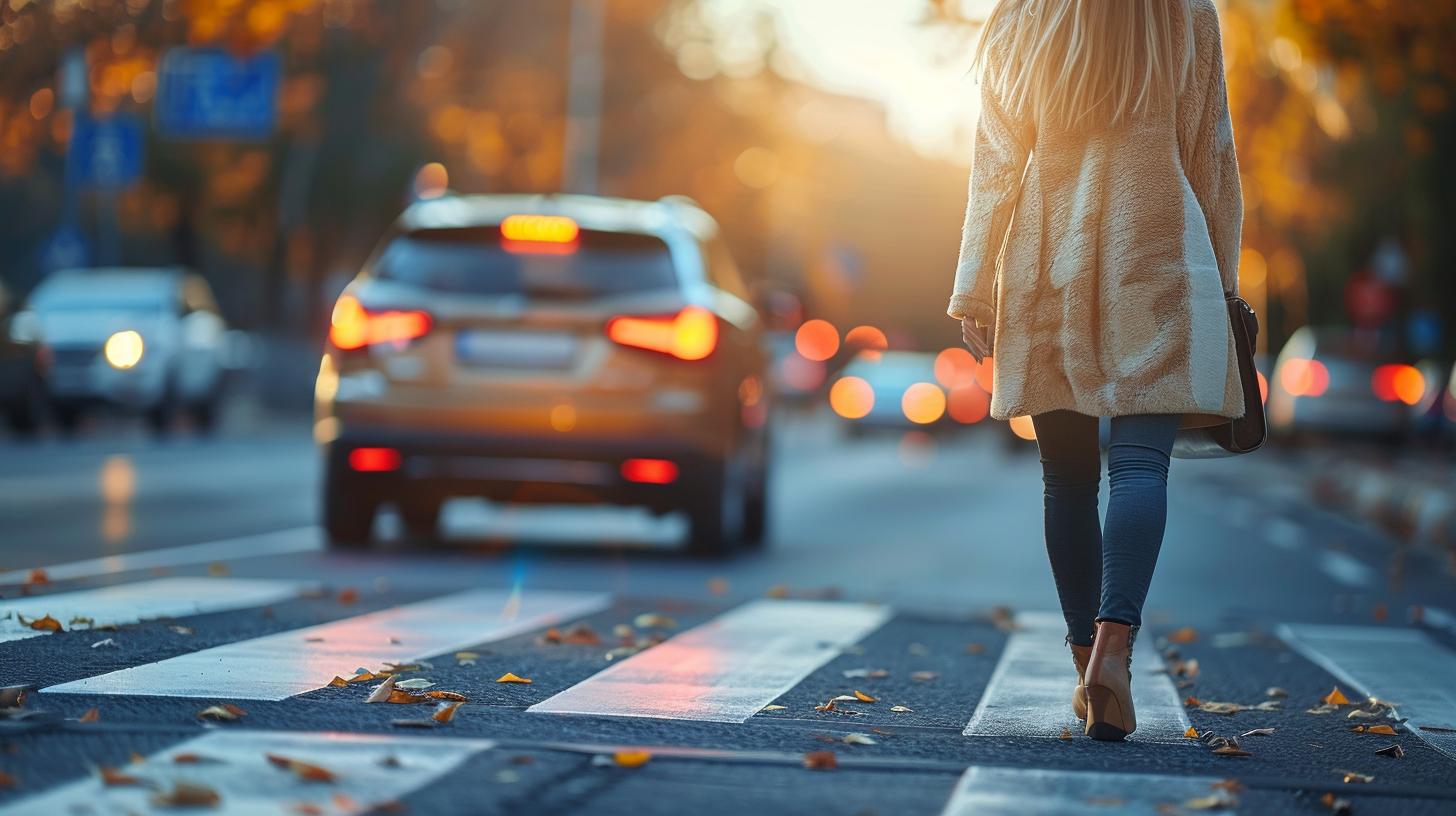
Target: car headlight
{"points": [[124, 349]]}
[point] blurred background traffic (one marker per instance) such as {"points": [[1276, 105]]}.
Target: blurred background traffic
{"points": [[724, 210]]}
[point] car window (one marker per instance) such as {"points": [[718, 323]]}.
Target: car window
{"points": [[72, 295], [477, 261]]}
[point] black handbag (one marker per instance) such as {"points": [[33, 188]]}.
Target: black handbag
{"points": [[1245, 434]]}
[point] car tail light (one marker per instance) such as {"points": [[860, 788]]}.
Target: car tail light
{"points": [[355, 327], [374, 460], [649, 471], [691, 334], [1398, 383], [1304, 378]]}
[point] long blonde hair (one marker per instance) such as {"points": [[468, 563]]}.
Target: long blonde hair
{"points": [[1086, 63]]}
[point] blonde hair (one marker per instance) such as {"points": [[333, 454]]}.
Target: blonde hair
{"points": [[1086, 63]]}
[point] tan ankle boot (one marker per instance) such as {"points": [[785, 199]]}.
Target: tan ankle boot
{"points": [[1081, 656], [1108, 683]]}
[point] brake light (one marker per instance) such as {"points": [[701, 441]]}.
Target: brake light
{"points": [[354, 327], [1398, 383], [540, 234], [649, 471], [691, 334], [374, 460], [1304, 378]]}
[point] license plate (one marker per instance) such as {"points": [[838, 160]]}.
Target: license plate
{"points": [[517, 350]]}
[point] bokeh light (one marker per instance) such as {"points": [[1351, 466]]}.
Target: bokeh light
{"points": [[1022, 427], [968, 404], [432, 181], [923, 403], [986, 375], [852, 398], [955, 367], [869, 341], [817, 340]]}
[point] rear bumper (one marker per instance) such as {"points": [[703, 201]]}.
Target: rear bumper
{"points": [[435, 466]]}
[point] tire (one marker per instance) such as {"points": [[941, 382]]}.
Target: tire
{"points": [[421, 519], [204, 415], [756, 501], [714, 523], [348, 519], [68, 417], [24, 416]]}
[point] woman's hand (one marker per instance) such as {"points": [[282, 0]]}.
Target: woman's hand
{"points": [[978, 340]]}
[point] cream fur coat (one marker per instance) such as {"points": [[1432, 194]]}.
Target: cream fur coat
{"points": [[1119, 246]]}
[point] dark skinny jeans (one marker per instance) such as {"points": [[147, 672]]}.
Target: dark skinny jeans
{"points": [[1103, 573]]}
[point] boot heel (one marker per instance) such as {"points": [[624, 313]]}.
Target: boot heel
{"points": [[1105, 718]]}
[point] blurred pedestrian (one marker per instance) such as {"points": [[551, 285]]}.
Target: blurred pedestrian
{"points": [[1100, 242]]}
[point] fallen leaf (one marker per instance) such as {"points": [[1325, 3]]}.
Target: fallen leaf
{"points": [[899, 709], [92, 715], [631, 759], [777, 591], [445, 712], [187, 794], [1275, 691], [718, 586], [845, 698], [829, 706], [1228, 785], [81, 620], [924, 676], [1336, 804], [1323, 708], [1379, 612], [194, 759], [624, 632], [1258, 732], [108, 643], [1214, 802], [224, 712], [45, 624], [1216, 707], [338, 682], [37, 576], [1191, 733], [414, 684], [1003, 618], [111, 777], [381, 692], [1362, 714], [1394, 751], [13, 696], [1382, 728], [865, 698], [975, 648], [467, 658], [181, 630], [136, 758], [863, 674], [1336, 697], [306, 771], [508, 677], [552, 636], [364, 675], [653, 620], [217, 569], [820, 761], [452, 696], [1355, 777], [1185, 635], [1270, 705], [859, 739], [1231, 751], [774, 707], [308, 809], [581, 635], [348, 595], [1066, 734], [1192, 702], [7, 781]]}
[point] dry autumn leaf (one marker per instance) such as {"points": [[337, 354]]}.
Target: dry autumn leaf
{"points": [[1185, 635], [975, 648], [1066, 734], [509, 677], [348, 595], [187, 794], [7, 781], [402, 697], [445, 712], [1231, 751], [1393, 751], [193, 759], [338, 682], [632, 759], [864, 698], [1382, 728], [1214, 802], [718, 586], [92, 715], [924, 676], [1336, 697], [1191, 733], [777, 591], [821, 761], [37, 576], [1355, 777], [859, 739], [414, 685], [181, 630], [1275, 691], [112, 778], [774, 707], [653, 620], [1336, 804], [306, 771], [217, 569], [44, 624], [381, 692], [1192, 702], [899, 709], [452, 696], [467, 658], [1258, 732], [222, 713]]}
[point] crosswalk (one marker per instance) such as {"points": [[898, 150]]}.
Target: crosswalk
{"points": [[726, 669]]}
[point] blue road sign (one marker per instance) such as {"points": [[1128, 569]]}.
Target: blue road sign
{"points": [[106, 154], [207, 93]]}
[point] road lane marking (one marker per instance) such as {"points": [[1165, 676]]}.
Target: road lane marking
{"points": [[1403, 666], [278, 542], [369, 771], [1345, 569], [1030, 692], [279, 666], [727, 669], [148, 600], [985, 791]]}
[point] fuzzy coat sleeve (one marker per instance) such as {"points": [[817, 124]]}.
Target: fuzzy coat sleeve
{"points": [[1206, 142], [1002, 147]]}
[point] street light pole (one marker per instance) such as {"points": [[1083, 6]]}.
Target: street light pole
{"points": [[584, 97]]}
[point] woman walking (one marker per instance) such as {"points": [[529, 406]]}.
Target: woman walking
{"points": [[1101, 239]]}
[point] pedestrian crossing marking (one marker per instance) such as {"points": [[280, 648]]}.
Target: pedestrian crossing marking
{"points": [[1401, 666], [727, 669], [985, 791], [279, 666], [369, 771], [132, 603], [1030, 692]]}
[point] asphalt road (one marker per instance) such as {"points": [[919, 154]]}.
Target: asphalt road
{"points": [[908, 568]]}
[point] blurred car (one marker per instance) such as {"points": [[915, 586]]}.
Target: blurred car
{"points": [[1342, 382], [904, 390], [148, 340], [22, 372], [560, 349]]}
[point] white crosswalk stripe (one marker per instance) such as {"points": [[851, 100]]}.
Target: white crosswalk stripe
{"points": [[987, 791], [369, 771], [147, 600], [1030, 693], [278, 666], [725, 670], [1402, 666], [280, 542]]}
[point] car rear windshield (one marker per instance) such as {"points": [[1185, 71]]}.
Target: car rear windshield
{"points": [[477, 261]]}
